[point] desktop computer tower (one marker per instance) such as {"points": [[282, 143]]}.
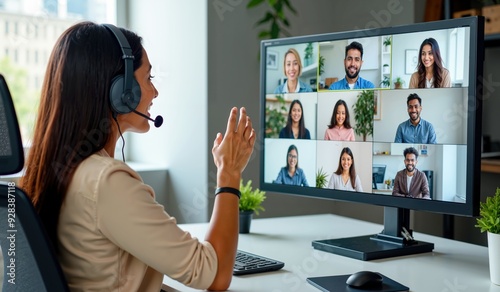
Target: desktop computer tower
{"points": [[430, 179]]}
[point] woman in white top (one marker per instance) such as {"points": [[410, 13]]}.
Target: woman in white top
{"points": [[345, 178]]}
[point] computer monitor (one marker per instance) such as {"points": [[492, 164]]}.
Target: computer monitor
{"points": [[11, 148], [378, 171], [335, 122]]}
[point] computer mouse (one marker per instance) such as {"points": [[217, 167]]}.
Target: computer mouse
{"points": [[364, 279]]}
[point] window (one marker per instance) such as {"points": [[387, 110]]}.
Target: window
{"points": [[31, 30]]}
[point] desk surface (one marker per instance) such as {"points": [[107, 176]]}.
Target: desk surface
{"points": [[453, 266]]}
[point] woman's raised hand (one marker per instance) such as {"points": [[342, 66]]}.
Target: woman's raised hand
{"points": [[232, 150]]}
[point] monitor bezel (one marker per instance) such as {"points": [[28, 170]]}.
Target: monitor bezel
{"points": [[474, 123]]}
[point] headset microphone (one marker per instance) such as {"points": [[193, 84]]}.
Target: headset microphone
{"points": [[158, 121]]}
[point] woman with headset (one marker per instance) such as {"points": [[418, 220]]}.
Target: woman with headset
{"points": [[108, 230]]}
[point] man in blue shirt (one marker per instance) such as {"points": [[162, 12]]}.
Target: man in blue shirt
{"points": [[352, 62], [415, 129]]}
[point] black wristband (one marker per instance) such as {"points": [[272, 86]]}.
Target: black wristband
{"points": [[233, 191]]}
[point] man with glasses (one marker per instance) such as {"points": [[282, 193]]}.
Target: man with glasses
{"points": [[352, 63], [415, 129]]}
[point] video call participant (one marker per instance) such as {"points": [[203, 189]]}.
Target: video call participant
{"points": [[295, 126], [292, 174], [352, 63], [292, 67], [109, 231], [415, 129], [410, 182], [340, 128], [345, 177], [430, 70]]}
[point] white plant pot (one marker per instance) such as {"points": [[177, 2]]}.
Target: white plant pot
{"points": [[494, 257]]}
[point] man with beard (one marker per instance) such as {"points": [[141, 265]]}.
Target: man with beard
{"points": [[415, 129], [352, 62], [410, 182]]}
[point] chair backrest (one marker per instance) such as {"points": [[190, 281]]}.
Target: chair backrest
{"points": [[29, 260]]}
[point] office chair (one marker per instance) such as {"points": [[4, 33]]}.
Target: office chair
{"points": [[29, 260]]}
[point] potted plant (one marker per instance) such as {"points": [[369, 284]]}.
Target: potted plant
{"points": [[386, 82], [321, 65], [364, 109], [250, 203], [387, 43], [308, 55], [489, 221], [275, 118], [321, 178], [385, 68], [398, 83]]}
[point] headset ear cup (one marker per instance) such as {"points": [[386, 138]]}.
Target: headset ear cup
{"points": [[136, 94], [121, 103]]}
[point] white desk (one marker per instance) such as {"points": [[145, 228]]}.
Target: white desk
{"points": [[453, 266]]}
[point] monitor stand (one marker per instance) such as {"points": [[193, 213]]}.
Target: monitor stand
{"points": [[389, 243]]}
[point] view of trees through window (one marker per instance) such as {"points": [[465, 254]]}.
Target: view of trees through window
{"points": [[28, 32]]}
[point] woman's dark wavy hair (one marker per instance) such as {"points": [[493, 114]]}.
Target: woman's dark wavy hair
{"points": [[74, 117], [437, 68], [333, 120], [352, 169], [302, 126]]}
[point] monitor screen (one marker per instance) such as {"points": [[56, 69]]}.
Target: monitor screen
{"points": [[378, 171], [387, 116], [11, 148]]}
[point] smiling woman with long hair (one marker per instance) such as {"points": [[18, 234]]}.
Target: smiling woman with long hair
{"points": [[345, 177], [295, 126], [340, 128], [431, 72]]}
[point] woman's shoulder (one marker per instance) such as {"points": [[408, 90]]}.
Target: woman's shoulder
{"points": [[279, 89], [100, 164], [304, 87]]}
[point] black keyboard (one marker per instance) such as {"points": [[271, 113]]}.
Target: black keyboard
{"points": [[248, 263]]}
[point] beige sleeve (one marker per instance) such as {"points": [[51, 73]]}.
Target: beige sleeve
{"points": [[446, 78], [131, 218], [414, 80]]}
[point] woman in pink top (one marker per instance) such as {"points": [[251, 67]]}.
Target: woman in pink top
{"points": [[340, 127]]}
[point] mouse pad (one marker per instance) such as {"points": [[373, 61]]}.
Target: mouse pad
{"points": [[337, 284]]}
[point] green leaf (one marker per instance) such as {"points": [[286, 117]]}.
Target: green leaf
{"points": [[276, 16], [254, 3], [268, 17], [264, 34], [489, 212], [321, 178], [287, 4], [251, 200], [275, 30]]}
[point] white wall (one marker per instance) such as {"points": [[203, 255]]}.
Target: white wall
{"points": [[179, 60]]}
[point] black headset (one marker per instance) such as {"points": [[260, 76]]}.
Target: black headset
{"points": [[125, 92]]}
